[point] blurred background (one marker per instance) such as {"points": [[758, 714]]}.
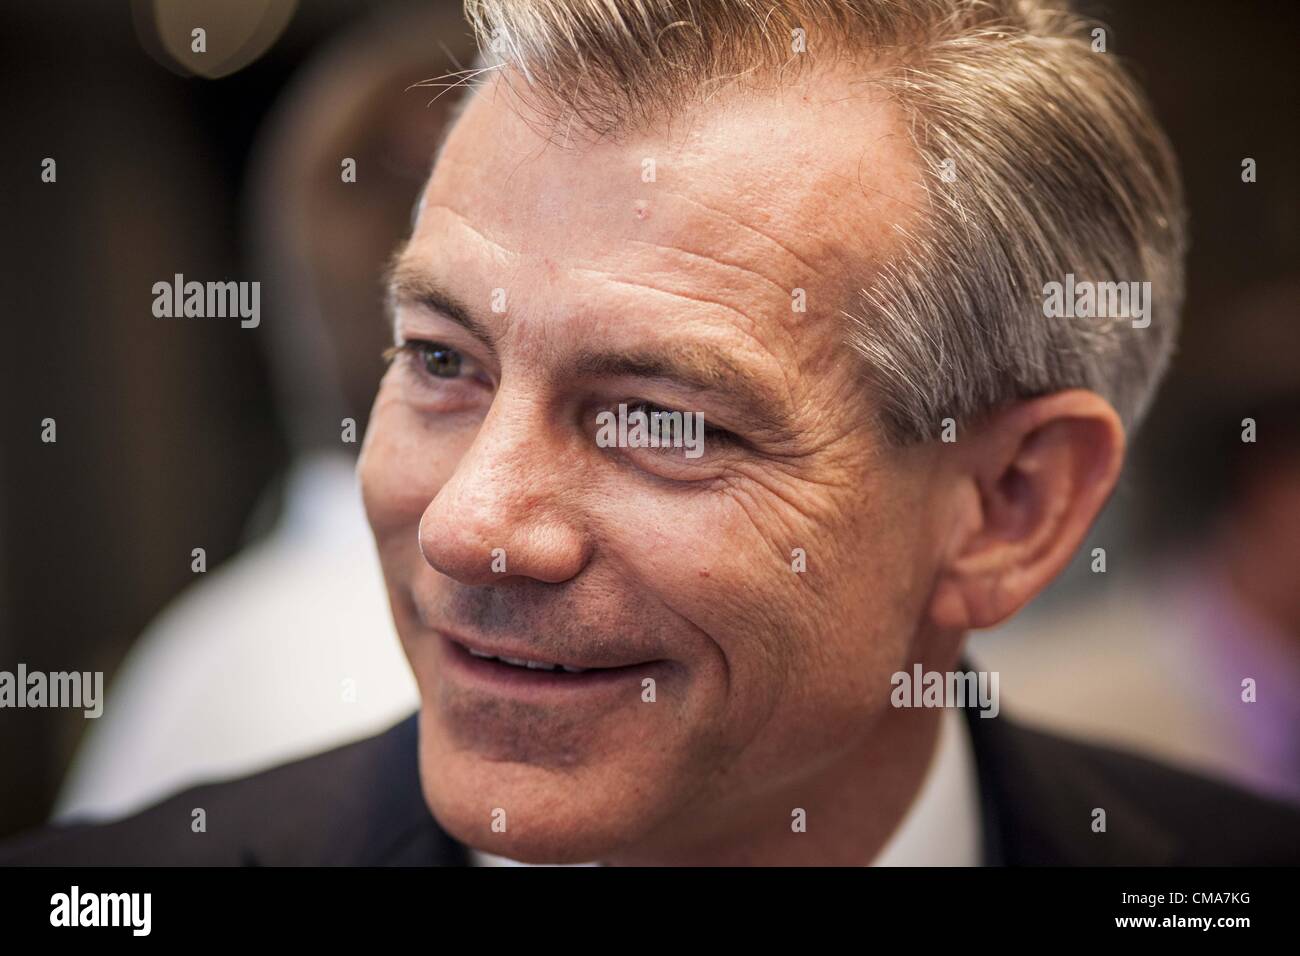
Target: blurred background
{"points": [[174, 435]]}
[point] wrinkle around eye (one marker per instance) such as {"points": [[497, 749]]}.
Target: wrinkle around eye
{"points": [[747, 495]]}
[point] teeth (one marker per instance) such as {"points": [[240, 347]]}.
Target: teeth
{"points": [[531, 665]]}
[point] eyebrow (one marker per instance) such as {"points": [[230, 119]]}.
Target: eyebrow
{"points": [[695, 367], [408, 284], [698, 369]]}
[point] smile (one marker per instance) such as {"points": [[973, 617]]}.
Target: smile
{"points": [[530, 665], [502, 672]]}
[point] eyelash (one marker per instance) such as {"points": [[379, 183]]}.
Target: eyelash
{"points": [[711, 432], [416, 349]]}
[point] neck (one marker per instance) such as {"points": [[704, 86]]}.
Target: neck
{"points": [[853, 804]]}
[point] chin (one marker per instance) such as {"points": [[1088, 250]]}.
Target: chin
{"points": [[571, 816]]}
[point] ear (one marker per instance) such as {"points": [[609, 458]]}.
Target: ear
{"points": [[1026, 485]]}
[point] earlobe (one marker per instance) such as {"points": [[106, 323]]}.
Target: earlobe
{"points": [[972, 598], [948, 608], [950, 601], [1042, 469]]}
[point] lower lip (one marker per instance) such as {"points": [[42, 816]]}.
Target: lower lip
{"points": [[541, 685]]}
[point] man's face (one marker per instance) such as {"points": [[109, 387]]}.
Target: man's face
{"points": [[660, 269]]}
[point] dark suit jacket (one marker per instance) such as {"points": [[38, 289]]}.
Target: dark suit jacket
{"points": [[361, 804]]}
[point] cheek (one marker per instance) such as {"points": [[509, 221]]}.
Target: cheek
{"points": [[878, 595], [798, 646], [720, 562], [818, 593], [400, 468]]}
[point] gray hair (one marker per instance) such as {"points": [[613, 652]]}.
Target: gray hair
{"points": [[1053, 163]]}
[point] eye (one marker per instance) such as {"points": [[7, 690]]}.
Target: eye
{"points": [[434, 359], [657, 413], [666, 443], [440, 361]]}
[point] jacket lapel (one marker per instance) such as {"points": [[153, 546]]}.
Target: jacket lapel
{"points": [[400, 830], [1039, 794]]}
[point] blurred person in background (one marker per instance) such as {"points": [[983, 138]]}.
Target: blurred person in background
{"points": [[1157, 661], [289, 648]]}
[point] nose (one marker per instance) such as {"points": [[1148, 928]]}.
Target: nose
{"points": [[508, 509]]}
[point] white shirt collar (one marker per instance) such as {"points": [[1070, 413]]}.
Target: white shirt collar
{"points": [[940, 828]]}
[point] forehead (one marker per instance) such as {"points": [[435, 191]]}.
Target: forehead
{"points": [[734, 204], [815, 160]]}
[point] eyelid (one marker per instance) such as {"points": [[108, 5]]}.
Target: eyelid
{"points": [[714, 433], [470, 367]]}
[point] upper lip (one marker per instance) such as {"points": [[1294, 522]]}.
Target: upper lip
{"points": [[516, 653]]}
